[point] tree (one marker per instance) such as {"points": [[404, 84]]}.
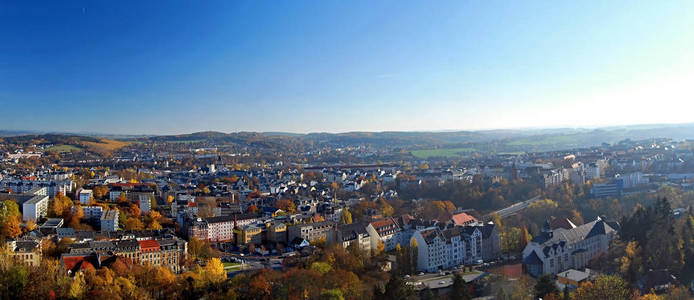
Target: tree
{"points": [[525, 237], [381, 247], [30, 225], [286, 205], [346, 216], [427, 294], [331, 294], [321, 267], [545, 286], [604, 287], [122, 199], [100, 191], [214, 269], [60, 206], [252, 209], [460, 290], [134, 223], [169, 199], [396, 289], [75, 217], [631, 264], [414, 255], [8, 208], [11, 228], [154, 225]]}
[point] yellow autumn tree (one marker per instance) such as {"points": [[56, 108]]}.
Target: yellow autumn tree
{"points": [[214, 270]]}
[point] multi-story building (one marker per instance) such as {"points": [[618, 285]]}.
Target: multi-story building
{"points": [[85, 196], [351, 234], [145, 204], [490, 241], [164, 251], [35, 208], [385, 231], [443, 249], [25, 251], [612, 189], [215, 229], [109, 220], [561, 249], [133, 192], [53, 187], [432, 250], [311, 232], [249, 234], [33, 202], [91, 213], [276, 232]]}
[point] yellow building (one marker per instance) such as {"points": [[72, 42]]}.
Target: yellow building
{"points": [[248, 234], [276, 232]]}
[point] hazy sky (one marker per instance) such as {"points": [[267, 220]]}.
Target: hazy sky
{"points": [[185, 66]]}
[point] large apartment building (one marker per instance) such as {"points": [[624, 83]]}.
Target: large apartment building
{"points": [[439, 249], [560, 249], [165, 252]]}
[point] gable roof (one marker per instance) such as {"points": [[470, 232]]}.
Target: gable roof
{"points": [[463, 219], [575, 235], [532, 259], [561, 223], [149, 244]]}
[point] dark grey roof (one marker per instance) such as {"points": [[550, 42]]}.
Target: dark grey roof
{"points": [[532, 259], [487, 230], [26, 246], [127, 245]]}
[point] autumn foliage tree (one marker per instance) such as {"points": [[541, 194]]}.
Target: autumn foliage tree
{"points": [[285, 205], [603, 287]]}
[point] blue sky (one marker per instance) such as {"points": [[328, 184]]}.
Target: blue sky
{"points": [[159, 67]]}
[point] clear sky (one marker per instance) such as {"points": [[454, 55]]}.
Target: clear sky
{"points": [[157, 67]]}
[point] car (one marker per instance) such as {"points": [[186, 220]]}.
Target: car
{"points": [[421, 274], [407, 276], [442, 282]]}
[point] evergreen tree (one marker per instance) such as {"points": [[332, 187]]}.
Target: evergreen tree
{"points": [[545, 285], [460, 289]]}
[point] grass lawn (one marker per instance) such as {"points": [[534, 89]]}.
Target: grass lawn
{"points": [[228, 266], [444, 152], [64, 148]]}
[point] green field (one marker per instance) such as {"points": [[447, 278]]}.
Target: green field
{"points": [[64, 148], [228, 266], [446, 152], [544, 140]]}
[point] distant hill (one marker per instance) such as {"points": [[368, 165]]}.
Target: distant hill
{"points": [[449, 143], [65, 143]]}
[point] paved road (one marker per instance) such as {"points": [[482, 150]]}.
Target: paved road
{"points": [[514, 209], [435, 281]]}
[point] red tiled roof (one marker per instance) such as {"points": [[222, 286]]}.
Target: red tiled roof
{"points": [[463, 218], [74, 263], [128, 184], [149, 244], [381, 223]]}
